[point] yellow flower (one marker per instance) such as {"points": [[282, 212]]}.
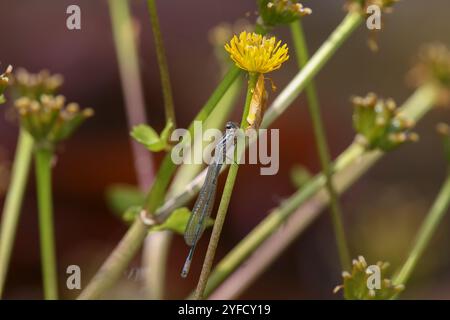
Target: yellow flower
{"points": [[255, 53]]}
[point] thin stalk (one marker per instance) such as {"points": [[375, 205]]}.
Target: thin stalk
{"points": [[43, 160], [415, 108], [426, 231], [13, 202], [280, 104], [128, 60], [301, 50], [116, 263], [224, 202], [127, 54], [162, 62]]}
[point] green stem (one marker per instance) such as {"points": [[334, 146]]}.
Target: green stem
{"points": [[116, 263], [162, 62], [426, 231], [128, 60], [13, 202], [224, 202], [43, 160], [415, 108], [301, 50]]}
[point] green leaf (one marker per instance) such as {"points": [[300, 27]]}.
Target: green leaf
{"points": [[2, 99], [121, 197], [147, 136], [177, 221]]}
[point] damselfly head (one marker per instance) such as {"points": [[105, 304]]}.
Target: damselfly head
{"points": [[231, 125]]}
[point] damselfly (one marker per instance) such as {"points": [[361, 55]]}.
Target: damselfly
{"points": [[205, 201]]}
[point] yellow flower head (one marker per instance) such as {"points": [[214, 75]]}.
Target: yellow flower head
{"points": [[255, 53]]}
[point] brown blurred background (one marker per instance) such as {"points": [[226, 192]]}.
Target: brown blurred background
{"points": [[382, 211]]}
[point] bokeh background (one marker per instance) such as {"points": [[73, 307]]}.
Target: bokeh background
{"points": [[382, 211]]}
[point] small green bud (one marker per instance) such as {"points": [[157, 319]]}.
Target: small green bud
{"points": [[366, 282], [4, 81], [379, 125], [48, 119], [433, 64], [35, 85], [276, 12]]}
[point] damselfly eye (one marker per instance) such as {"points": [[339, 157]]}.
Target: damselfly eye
{"points": [[231, 125]]}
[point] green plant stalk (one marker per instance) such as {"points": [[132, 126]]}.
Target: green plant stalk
{"points": [[301, 50], [128, 61], [116, 263], [157, 244], [127, 56], [426, 231], [43, 160], [162, 62], [415, 108], [13, 202], [294, 88], [224, 201]]}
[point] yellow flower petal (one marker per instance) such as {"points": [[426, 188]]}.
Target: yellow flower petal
{"points": [[255, 53]]}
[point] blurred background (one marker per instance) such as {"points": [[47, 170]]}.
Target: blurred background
{"points": [[382, 210]]}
